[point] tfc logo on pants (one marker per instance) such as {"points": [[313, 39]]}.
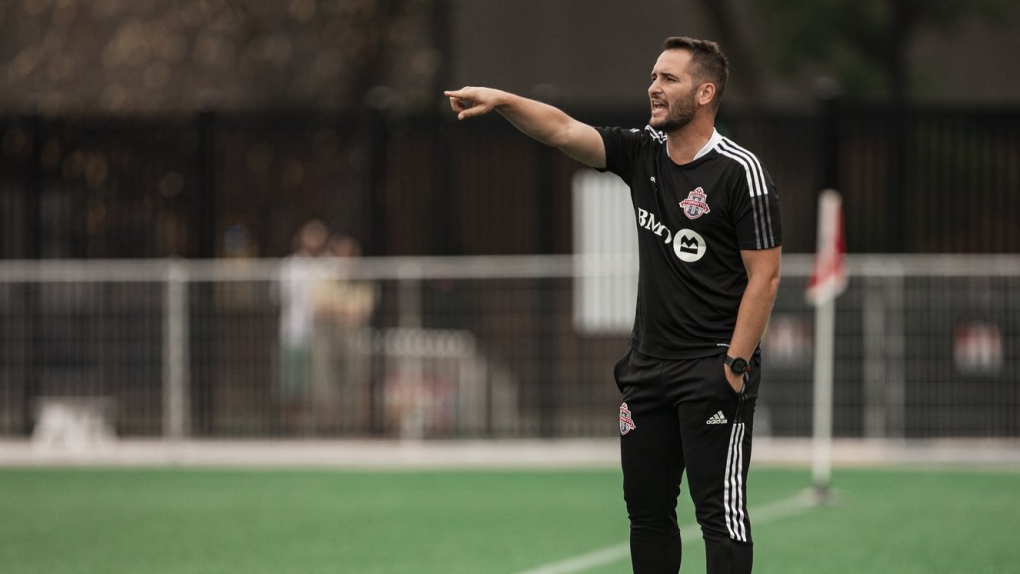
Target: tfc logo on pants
{"points": [[626, 423]]}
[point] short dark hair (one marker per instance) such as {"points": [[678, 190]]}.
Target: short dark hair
{"points": [[708, 63]]}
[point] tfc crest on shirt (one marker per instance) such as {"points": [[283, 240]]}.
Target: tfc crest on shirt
{"points": [[694, 206]]}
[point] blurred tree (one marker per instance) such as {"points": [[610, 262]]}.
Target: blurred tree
{"points": [[862, 44], [731, 32], [123, 56]]}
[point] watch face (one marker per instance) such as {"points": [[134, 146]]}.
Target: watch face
{"points": [[738, 365]]}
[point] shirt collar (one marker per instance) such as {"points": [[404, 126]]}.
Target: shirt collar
{"points": [[710, 145]]}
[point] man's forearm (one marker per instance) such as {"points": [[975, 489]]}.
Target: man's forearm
{"points": [[753, 316], [756, 304]]}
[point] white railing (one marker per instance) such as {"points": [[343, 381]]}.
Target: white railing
{"points": [[926, 345]]}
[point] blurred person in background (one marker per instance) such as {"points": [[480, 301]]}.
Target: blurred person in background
{"points": [[709, 238], [297, 323], [343, 311]]}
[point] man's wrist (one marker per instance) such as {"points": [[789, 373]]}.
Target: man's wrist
{"points": [[738, 365]]}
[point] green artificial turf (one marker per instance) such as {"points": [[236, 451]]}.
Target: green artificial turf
{"points": [[502, 522]]}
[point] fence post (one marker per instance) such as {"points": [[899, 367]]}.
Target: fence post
{"points": [[205, 198], [176, 356], [896, 388], [874, 344], [30, 247], [884, 348], [827, 92]]}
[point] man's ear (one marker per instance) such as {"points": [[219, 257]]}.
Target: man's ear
{"points": [[706, 92]]}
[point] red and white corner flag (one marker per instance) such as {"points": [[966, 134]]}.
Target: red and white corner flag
{"points": [[828, 276]]}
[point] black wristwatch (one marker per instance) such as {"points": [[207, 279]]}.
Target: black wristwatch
{"points": [[738, 365]]}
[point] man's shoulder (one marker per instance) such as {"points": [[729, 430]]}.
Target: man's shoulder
{"points": [[654, 134], [648, 133], [736, 154], [639, 146]]}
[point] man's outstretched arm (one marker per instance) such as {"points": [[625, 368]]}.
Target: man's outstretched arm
{"points": [[542, 122]]}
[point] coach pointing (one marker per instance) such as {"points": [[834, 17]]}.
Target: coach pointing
{"points": [[690, 380]]}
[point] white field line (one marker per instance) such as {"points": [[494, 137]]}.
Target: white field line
{"points": [[760, 514]]}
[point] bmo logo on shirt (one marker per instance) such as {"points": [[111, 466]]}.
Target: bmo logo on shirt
{"points": [[689, 245]]}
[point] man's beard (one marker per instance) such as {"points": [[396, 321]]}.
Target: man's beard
{"points": [[680, 114]]}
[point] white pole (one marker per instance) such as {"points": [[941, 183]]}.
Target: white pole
{"points": [[825, 342], [176, 361], [828, 280]]}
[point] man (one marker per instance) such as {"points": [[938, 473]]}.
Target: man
{"points": [[297, 324], [343, 311], [709, 239]]}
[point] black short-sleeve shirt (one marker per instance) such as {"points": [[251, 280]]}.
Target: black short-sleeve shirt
{"points": [[692, 222]]}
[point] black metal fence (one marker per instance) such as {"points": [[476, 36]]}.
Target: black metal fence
{"points": [[218, 185]]}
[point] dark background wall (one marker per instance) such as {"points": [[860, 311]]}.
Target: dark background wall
{"points": [[214, 128], [599, 52]]}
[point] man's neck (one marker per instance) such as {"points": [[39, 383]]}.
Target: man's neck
{"points": [[684, 144]]}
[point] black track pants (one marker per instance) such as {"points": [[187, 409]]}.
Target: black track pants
{"points": [[677, 416]]}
